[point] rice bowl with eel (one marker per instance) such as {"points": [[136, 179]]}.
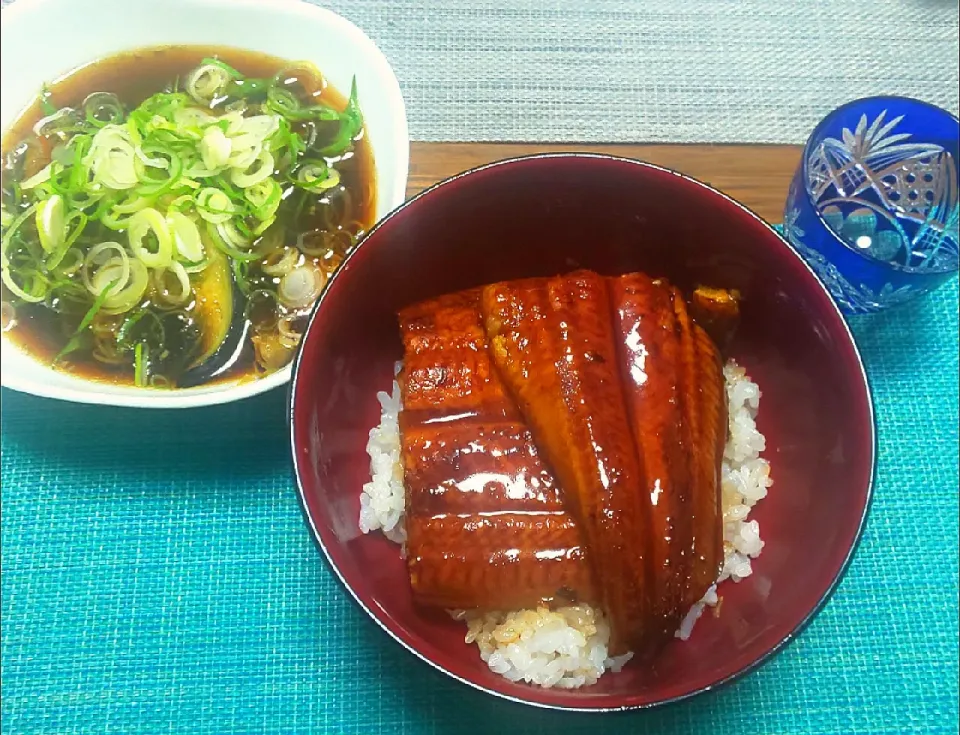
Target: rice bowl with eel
{"points": [[557, 212], [567, 645]]}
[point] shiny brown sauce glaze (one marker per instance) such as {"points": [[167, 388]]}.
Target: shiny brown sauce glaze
{"points": [[552, 342], [562, 440], [486, 525]]}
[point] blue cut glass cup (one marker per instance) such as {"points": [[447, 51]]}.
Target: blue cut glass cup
{"points": [[873, 206]]}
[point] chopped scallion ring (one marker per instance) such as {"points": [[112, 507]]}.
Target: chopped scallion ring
{"points": [[52, 223], [149, 238], [186, 238]]}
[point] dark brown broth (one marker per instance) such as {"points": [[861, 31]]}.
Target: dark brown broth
{"points": [[133, 77]]}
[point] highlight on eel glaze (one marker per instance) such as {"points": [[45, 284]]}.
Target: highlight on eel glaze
{"points": [[561, 441]]}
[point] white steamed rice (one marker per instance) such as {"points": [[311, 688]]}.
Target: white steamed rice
{"points": [[567, 647], [382, 499]]}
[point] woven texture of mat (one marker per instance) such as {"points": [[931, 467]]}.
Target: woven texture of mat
{"points": [[752, 71], [625, 70], [158, 578]]}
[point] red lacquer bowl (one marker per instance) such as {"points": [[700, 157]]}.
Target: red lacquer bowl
{"points": [[549, 214]]}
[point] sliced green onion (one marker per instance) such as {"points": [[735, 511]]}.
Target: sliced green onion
{"points": [[233, 235], [231, 123], [264, 197], [70, 263], [213, 205], [263, 226], [198, 267], [212, 61], [131, 331], [103, 108], [351, 123], [251, 90], [240, 275], [156, 113], [12, 230], [58, 122], [180, 180], [132, 294], [73, 227], [42, 176], [34, 288], [260, 127], [280, 262], [80, 172], [244, 150], [83, 200], [115, 220], [233, 193], [259, 170], [312, 170], [282, 102], [161, 173], [321, 243], [300, 286], [60, 181], [161, 287], [101, 256], [186, 238], [239, 231], [217, 239], [190, 118], [132, 205], [180, 204], [317, 113], [117, 217], [111, 158], [144, 224], [52, 223], [215, 148], [316, 176], [46, 101], [74, 342], [139, 368], [208, 81]]}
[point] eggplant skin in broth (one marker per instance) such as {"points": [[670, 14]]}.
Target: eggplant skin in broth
{"points": [[170, 215]]}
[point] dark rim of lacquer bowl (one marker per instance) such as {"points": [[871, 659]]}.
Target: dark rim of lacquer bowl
{"points": [[776, 648]]}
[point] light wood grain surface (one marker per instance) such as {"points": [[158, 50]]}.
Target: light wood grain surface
{"points": [[756, 175]]}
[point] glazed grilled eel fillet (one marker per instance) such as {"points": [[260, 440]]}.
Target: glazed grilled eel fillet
{"points": [[624, 396], [553, 343], [674, 392], [486, 527]]}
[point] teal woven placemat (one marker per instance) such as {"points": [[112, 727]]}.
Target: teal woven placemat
{"points": [[158, 578]]}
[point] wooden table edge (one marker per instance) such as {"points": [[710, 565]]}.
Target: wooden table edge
{"points": [[756, 175]]}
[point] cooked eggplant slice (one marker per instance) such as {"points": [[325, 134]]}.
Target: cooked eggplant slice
{"points": [[219, 311]]}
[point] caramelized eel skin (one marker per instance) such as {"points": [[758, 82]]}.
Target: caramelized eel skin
{"points": [[502, 561], [649, 349], [552, 341], [704, 427], [486, 526], [604, 387]]}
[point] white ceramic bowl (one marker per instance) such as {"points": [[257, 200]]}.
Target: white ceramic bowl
{"points": [[42, 40]]}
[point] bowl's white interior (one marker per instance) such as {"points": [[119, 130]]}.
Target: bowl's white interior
{"points": [[41, 40]]}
